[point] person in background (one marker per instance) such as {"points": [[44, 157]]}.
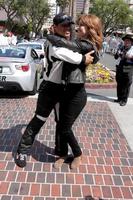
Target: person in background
{"points": [[104, 47], [113, 44], [89, 38], [3, 38], [52, 89], [124, 70], [12, 39]]}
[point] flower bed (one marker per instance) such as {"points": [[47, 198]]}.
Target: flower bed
{"points": [[98, 73]]}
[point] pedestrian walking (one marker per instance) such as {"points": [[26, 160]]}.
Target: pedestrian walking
{"points": [[74, 99], [51, 89], [104, 47], [124, 70], [113, 44]]}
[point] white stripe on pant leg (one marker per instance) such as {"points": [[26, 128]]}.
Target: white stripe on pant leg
{"points": [[41, 118]]}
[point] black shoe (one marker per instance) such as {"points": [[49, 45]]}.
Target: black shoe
{"points": [[57, 151], [122, 103], [21, 160], [116, 100]]}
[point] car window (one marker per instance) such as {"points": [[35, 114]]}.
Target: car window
{"points": [[34, 46], [34, 54], [37, 46], [12, 52]]}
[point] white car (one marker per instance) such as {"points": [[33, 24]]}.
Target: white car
{"points": [[37, 46], [19, 68]]}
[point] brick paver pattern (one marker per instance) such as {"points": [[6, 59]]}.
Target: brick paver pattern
{"points": [[107, 166]]}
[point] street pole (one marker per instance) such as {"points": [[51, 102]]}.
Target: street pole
{"points": [[86, 6], [73, 14], [70, 8], [74, 9]]}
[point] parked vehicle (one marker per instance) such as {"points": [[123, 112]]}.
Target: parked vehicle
{"points": [[19, 68], [37, 46]]}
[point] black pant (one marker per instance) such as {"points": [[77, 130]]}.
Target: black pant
{"points": [[124, 81], [70, 107], [49, 95]]}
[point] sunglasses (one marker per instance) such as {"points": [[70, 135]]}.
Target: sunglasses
{"points": [[65, 17]]}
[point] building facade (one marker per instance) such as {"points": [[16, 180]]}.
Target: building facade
{"points": [[79, 6], [130, 2]]}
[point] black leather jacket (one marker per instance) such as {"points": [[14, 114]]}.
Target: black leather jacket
{"points": [[72, 74]]}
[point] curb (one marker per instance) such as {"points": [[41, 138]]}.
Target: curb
{"points": [[100, 85]]}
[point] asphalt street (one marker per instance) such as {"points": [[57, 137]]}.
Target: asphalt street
{"points": [[109, 61]]}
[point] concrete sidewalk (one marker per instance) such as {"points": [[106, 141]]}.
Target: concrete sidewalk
{"points": [[103, 131]]}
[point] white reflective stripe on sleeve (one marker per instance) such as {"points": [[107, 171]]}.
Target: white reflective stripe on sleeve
{"points": [[41, 118], [67, 55]]}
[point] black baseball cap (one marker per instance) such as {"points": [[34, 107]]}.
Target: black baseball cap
{"points": [[62, 19]]}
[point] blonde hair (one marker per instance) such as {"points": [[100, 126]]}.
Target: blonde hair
{"points": [[94, 27]]}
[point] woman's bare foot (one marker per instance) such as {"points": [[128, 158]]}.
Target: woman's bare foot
{"points": [[76, 162], [58, 163]]}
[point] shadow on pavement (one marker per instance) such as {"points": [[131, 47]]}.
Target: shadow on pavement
{"points": [[99, 97], [10, 139], [13, 94], [91, 198]]}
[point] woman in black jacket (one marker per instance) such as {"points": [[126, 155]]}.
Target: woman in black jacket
{"points": [[74, 98]]}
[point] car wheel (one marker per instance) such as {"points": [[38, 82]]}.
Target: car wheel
{"points": [[34, 91]]}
